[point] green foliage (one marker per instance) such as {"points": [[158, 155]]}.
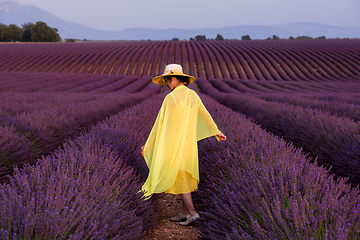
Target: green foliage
{"points": [[175, 39], [29, 32], [41, 32], [2, 27], [192, 39], [10, 33], [304, 37], [70, 40], [307, 37], [26, 37], [291, 38], [219, 37], [245, 37], [275, 37], [200, 38]]}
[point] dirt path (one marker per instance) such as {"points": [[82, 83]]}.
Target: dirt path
{"points": [[169, 206]]}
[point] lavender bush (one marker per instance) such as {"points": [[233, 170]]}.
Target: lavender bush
{"points": [[340, 97], [117, 85], [257, 186], [127, 131], [16, 104], [14, 149], [241, 87], [44, 129], [137, 86], [30, 82], [69, 82], [82, 191], [61, 83], [341, 109], [334, 140], [222, 86]]}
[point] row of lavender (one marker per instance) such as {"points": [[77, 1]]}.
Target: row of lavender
{"points": [[337, 98], [340, 99], [266, 61], [265, 86], [95, 83], [339, 108], [334, 140], [76, 83], [253, 186], [325, 60], [34, 124]]}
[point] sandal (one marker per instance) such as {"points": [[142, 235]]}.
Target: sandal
{"points": [[179, 217], [190, 219]]}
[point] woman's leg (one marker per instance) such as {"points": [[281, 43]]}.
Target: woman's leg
{"points": [[184, 209], [187, 204]]}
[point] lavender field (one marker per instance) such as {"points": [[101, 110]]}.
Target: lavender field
{"points": [[74, 116]]}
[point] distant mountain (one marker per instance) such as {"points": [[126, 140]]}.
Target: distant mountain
{"points": [[12, 12]]}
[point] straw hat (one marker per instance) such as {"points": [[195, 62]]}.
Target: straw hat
{"points": [[171, 69]]}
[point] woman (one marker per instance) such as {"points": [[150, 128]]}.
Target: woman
{"points": [[171, 148]]}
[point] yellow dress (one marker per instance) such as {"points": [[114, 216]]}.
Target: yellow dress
{"points": [[170, 151]]}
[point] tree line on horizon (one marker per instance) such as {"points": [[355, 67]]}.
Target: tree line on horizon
{"points": [[219, 37], [29, 32]]}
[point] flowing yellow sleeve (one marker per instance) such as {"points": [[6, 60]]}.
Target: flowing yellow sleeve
{"points": [[163, 149], [149, 145], [206, 127]]}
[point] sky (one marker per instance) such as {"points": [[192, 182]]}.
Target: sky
{"points": [[114, 15]]}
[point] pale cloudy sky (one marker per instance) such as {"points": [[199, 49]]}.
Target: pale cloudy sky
{"points": [[188, 14]]}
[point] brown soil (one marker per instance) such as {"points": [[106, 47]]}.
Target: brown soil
{"points": [[170, 206]]}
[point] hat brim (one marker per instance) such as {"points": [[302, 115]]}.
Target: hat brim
{"points": [[160, 79]]}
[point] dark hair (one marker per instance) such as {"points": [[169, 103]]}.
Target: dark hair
{"points": [[185, 80]]}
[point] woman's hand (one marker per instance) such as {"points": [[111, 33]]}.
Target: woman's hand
{"points": [[220, 137], [142, 150]]}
